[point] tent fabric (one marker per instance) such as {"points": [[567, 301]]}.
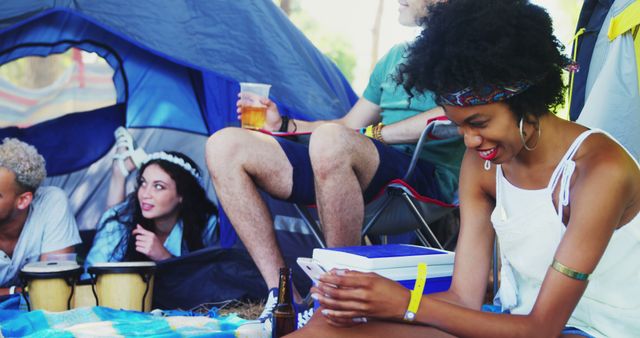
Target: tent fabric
{"points": [[592, 16], [78, 128], [248, 40], [628, 20], [177, 65], [612, 88], [206, 276]]}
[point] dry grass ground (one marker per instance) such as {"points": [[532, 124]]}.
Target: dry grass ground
{"points": [[244, 309]]}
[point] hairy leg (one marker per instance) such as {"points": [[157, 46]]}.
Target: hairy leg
{"points": [[241, 161], [318, 327], [344, 163]]}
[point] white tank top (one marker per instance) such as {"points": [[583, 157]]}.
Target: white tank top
{"points": [[529, 229]]}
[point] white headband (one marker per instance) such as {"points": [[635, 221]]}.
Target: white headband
{"points": [[175, 160]]}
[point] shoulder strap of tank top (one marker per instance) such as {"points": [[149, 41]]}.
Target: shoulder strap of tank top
{"points": [[499, 185], [564, 171], [499, 176]]}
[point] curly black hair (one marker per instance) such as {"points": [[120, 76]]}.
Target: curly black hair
{"points": [[474, 43]]}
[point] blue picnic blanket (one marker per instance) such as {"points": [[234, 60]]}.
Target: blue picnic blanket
{"points": [[102, 321]]}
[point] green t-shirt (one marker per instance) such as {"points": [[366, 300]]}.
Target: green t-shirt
{"points": [[396, 105]]}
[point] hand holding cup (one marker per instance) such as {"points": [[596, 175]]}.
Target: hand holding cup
{"points": [[253, 103]]}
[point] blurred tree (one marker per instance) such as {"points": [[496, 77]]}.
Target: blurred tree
{"points": [[375, 35], [286, 6], [289, 6], [334, 46], [565, 18]]}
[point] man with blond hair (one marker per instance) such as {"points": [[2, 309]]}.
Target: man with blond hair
{"points": [[35, 221]]}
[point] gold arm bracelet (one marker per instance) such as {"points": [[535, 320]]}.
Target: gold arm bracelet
{"points": [[563, 269]]}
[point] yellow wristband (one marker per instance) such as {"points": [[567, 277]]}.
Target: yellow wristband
{"points": [[416, 293], [368, 132]]}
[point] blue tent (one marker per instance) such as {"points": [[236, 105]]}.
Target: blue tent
{"points": [[176, 64]]}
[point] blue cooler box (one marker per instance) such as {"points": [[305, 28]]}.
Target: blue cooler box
{"points": [[398, 262]]}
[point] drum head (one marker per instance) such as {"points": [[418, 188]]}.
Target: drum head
{"points": [[53, 269], [122, 267]]}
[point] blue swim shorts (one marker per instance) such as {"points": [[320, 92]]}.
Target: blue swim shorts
{"points": [[393, 165]]}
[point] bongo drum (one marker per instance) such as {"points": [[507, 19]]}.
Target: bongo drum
{"points": [[125, 285], [50, 284], [83, 296]]}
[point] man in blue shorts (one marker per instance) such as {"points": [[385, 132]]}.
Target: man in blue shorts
{"points": [[35, 221], [340, 170]]}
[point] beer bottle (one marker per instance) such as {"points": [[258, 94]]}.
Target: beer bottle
{"points": [[284, 315]]}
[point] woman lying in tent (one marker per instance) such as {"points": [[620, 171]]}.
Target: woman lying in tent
{"points": [[167, 215], [563, 200]]}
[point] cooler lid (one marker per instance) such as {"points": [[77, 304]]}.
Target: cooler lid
{"points": [[403, 273], [374, 257]]}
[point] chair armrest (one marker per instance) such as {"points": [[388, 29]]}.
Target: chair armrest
{"points": [[441, 129]]}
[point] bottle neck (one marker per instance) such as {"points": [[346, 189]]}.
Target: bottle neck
{"points": [[285, 293]]}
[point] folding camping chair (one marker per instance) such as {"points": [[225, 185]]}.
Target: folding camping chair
{"points": [[401, 209]]}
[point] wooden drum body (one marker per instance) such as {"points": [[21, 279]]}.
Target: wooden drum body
{"points": [[50, 285], [126, 285]]}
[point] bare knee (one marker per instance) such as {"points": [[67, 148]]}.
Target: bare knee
{"points": [[330, 149], [222, 149]]}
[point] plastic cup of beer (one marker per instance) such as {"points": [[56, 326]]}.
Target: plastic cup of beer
{"points": [[253, 113]]}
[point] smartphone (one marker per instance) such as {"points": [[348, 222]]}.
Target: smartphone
{"points": [[312, 268]]}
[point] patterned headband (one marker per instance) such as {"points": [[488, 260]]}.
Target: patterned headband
{"points": [[487, 94], [175, 160]]}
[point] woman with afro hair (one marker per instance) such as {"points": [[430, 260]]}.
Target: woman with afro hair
{"points": [[562, 200]]}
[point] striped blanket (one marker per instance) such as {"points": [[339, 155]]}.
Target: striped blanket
{"points": [[105, 322]]}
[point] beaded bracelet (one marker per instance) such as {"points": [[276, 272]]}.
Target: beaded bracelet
{"points": [[373, 131], [377, 132]]}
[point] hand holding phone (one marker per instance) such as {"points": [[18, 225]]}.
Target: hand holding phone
{"points": [[312, 268]]}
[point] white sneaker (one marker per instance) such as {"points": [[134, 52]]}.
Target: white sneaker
{"points": [[270, 305], [130, 150], [304, 317]]}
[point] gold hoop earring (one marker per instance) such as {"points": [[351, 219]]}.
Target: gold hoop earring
{"points": [[523, 134]]}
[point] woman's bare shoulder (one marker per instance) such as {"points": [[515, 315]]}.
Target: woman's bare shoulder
{"points": [[603, 160], [600, 152]]}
